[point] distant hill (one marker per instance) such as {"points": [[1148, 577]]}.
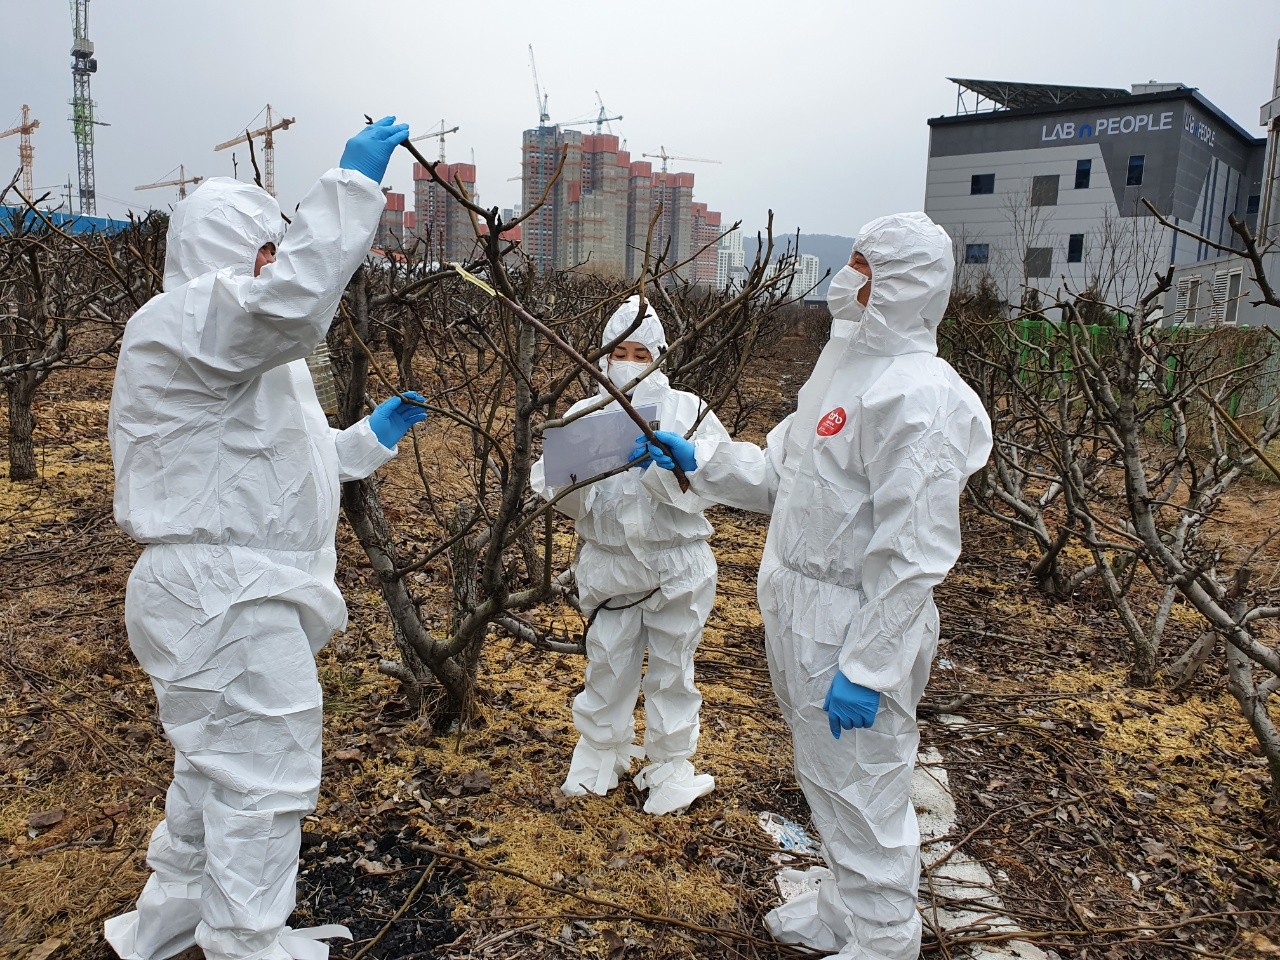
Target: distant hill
{"points": [[832, 252]]}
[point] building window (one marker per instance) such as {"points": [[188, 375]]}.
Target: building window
{"points": [[977, 252], [1083, 169], [1188, 300], [1044, 191], [1225, 296], [1233, 296], [1251, 211], [1038, 262], [982, 183], [1136, 164], [1075, 248]]}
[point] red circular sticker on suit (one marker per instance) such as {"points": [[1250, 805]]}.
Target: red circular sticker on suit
{"points": [[832, 423]]}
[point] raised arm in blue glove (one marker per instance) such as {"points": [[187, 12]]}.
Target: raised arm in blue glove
{"points": [[393, 418], [849, 705], [369, 151], [681, 451]]}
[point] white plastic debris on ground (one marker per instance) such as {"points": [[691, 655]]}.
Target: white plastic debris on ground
{"points": [[955, 877], [800, 863]]}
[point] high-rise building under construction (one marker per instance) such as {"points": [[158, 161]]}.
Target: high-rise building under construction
{"points": [[597, 214], [390, 235], [439, 220]]}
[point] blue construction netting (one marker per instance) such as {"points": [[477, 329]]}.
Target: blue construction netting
{"points": [[66, 222]]}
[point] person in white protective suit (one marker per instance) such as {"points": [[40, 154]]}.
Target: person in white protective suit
{"points": [[864, 483], [228, 473], [647, 578]]}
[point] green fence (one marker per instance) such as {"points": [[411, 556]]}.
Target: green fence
{"points": [[1241, 364]]}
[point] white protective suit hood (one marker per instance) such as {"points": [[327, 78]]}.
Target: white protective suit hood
{"points": [[649, 334], [222, 225], [911, 270]]}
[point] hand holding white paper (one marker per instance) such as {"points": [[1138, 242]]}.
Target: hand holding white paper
{"points": [[591, 445]]}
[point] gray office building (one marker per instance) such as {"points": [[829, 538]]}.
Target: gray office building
{"points": [[1042, 186], [1224, 289]]}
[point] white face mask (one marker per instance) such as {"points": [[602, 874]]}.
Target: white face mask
{"points": [[842, 298], [622, 372]]}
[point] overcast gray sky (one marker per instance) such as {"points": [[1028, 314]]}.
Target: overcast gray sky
{"points": [[814, 108]]}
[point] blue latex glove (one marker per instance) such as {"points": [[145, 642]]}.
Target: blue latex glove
{"points": [[681, 451], [640, 452], [369, 151], [393, 418], [849, 705]]}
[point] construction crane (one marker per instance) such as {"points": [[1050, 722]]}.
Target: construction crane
{"points": [[664, 156], [83, 66], [600, 119], [26, 154], [441, 133], [180, 183], [543, 116], [268, 147]]}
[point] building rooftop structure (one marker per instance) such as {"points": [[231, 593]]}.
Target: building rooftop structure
{"points": [[1013, 100], [1011, 95]]}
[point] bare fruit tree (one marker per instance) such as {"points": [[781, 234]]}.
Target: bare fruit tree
{"points": [[1120, 440], [499, 351], [64, 300]]}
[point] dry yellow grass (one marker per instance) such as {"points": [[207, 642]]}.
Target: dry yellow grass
{"points": [[77, 732]]}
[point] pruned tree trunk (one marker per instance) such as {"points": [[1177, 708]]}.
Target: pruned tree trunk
{"points": [[22, 427], [364, 512], [1252, 696], [465, 556], [1192, 661]]}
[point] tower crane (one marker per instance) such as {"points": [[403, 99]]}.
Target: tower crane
{"points": [[83, 66], [180, 183], [664, 156], [25, 153], [268, 146], [543, 116], [441, 133], [600, 119]]}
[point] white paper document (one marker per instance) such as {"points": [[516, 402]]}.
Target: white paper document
{"points": [[591, 445]]}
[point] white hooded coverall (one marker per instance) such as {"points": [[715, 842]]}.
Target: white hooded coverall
{"points": [[647, 573], [228, 473], [864, 483]]}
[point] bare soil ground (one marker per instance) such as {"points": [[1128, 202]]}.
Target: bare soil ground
{"points": [[1118, 823]]}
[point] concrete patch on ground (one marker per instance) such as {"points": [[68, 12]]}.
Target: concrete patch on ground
{"points": [[952, 876]]}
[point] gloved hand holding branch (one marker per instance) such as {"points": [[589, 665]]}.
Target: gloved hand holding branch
{"points": [[619, 397]]}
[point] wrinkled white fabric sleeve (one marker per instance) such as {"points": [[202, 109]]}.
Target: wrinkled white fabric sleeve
{"points": [[360, 452], [916, 480], [573, 505], [254, 324], [740, 474], [663, 485]]}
